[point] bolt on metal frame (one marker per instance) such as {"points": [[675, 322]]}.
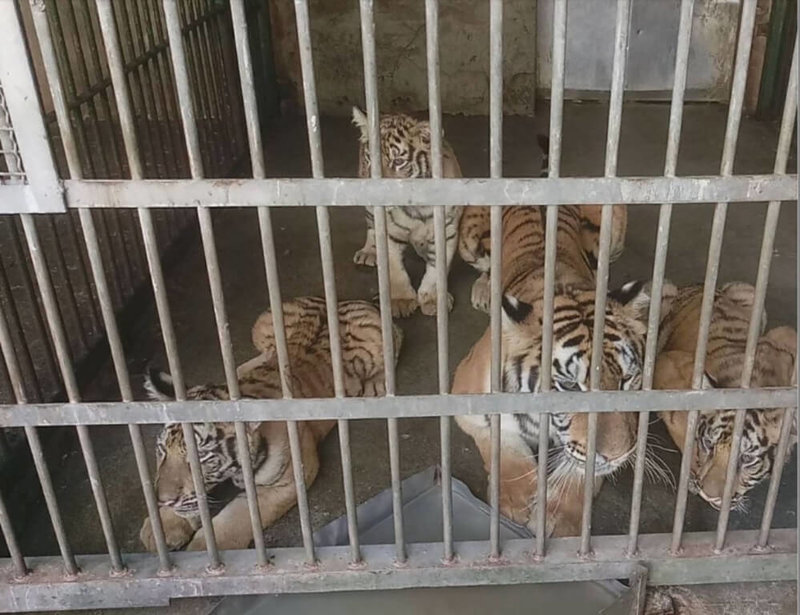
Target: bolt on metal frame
{"points": [[145, 580]]}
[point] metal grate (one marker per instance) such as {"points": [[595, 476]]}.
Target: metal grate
{"points": [[142, 580], [11, 169]]}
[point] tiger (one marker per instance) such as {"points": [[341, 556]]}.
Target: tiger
{"points": [[522, 307], [775, 365], [259, 378], [474, 239], [405, 153]]}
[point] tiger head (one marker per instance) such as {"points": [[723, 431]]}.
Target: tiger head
{"points": [[216, 448], [405, 145], [774, 366], [622, 358]]}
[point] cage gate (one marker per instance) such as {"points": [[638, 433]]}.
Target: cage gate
{"points": [[152, 111]]}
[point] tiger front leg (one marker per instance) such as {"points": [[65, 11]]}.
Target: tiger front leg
{"points": [[427, 288], [402, 293], [178, 531], [481, 295], [232, 526], [367, 255]]}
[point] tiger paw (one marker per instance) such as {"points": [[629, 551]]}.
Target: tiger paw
{"points": [[404, 306], [177, 531], [365, 256], [481, 293], [428, 302]]}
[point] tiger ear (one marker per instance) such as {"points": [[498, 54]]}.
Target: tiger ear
{"points": [[709, 382], [360, 120], [514, 310], [635, 296], [159, 385]]}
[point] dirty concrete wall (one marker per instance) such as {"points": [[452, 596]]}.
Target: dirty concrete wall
{"points": [[401, 55], [464, 50]]}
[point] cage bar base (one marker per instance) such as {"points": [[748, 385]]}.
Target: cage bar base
{"points": [[46, 587]]}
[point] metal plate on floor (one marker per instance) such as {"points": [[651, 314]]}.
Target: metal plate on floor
{"points": [[422, 514]]}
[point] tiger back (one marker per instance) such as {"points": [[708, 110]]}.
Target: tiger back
{"points": [[310, 376]]}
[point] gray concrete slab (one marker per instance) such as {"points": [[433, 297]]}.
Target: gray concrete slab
{"points": [[643, 141]]}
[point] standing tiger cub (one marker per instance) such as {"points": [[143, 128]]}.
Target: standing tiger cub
{"points": [[405, 154], [311, 377]]}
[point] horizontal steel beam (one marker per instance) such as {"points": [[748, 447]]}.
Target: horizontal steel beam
{"points": [[392, 192], [17, 198], [404, 406], [47, 588]]}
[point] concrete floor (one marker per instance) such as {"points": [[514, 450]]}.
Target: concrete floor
{"points": [[644, 132]]}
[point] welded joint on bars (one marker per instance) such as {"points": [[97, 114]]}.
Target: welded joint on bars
{"points": [[215, 570]]}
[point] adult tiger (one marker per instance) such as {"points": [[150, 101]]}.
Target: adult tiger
{"points": [[311, 377], [775, 365], [623, 344]]}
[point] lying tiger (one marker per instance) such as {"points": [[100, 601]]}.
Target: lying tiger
{"points": [[311, 377], [523, 287], [775, 365]]}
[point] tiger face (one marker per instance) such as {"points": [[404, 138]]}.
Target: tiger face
{"points": [[775, 365], [622, 357], [216, 448], [405, 146]]}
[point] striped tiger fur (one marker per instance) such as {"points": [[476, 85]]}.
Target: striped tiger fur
{"points": [[623, 349], [405, 153], [775, 365], [474, 242], [311, 377]]}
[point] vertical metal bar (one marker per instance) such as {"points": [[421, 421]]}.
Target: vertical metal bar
{"points": [[371, 92], [775, 478], [601, 289], [20, 568], [495, 275], [323, 225], [95, 259], [762, 279], [551, 230], [109, 32], [442, 308], [714, 250], [50, 304], [212, 266], [659, 261]]}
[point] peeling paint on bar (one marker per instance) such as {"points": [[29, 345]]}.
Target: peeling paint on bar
{"points": [[392, 192], [403, 406]]}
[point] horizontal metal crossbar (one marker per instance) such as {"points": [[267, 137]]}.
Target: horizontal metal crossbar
{"points": [[144, 585], [405, 406], [425, 192]]}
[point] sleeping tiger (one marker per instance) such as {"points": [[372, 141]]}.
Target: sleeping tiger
{"points": [[775, 365], [523, 287], [474, 243], [311, 376], [405, 153]]}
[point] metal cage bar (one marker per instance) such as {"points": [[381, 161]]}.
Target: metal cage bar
{"points": [[442, 307], [551, 231], [212, 266], [762, 279], [660, 260], [746, 23], [366, 8], [106, 20], [98, 271]]}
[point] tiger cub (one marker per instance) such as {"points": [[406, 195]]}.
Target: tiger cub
{"points": [[474, 243], [522, 307], [775, 365], [268, 443], [405, 153]]}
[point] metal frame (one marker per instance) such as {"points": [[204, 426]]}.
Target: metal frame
{"points": [[141, 580], [42, 191]]}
